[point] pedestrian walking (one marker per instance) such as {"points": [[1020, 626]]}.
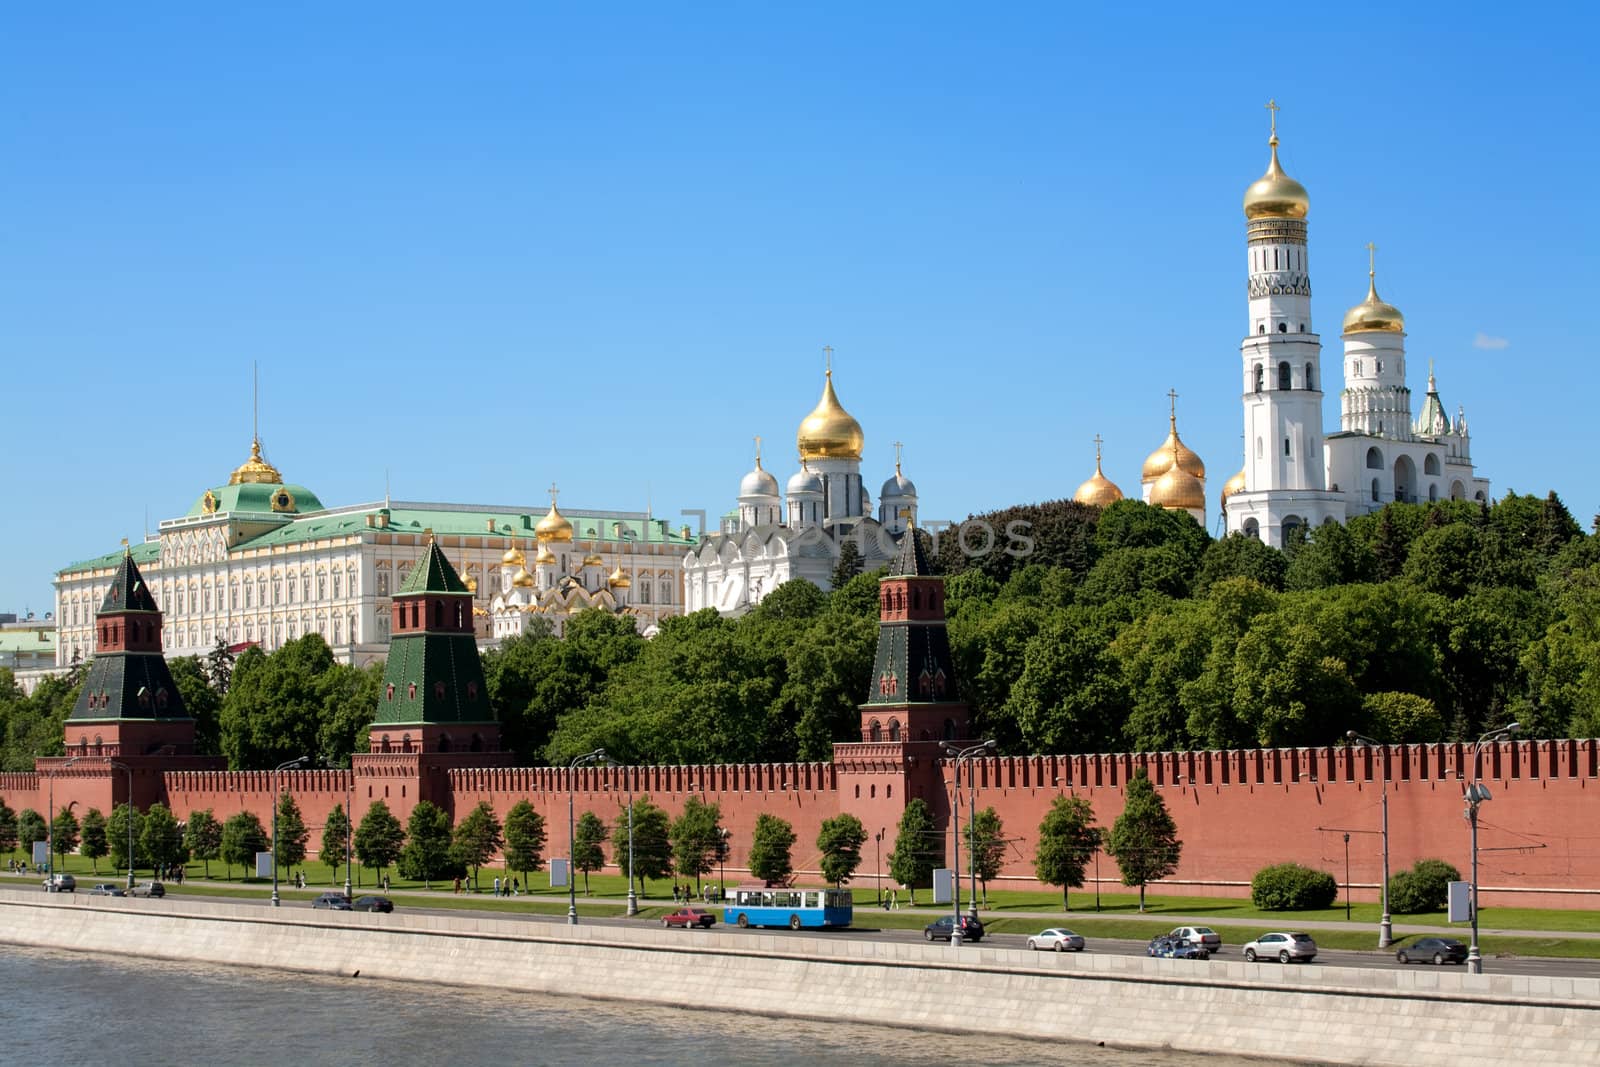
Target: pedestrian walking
{"points": [[497, 887]]}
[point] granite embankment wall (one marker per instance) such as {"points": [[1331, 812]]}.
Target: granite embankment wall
{"points": [[1352, 1016]]}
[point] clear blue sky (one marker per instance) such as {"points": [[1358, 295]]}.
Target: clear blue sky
{"points": [[489, 247]]}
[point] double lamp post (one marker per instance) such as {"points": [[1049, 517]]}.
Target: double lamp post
{"points": [[959, 756]]}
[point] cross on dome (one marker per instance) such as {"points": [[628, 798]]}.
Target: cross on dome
{"points": [[1273, 109]]}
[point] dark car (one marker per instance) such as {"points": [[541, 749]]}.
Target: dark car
{"points": [[1437, 949], [687, 917], [332, 902], [148, 889], [372, 904], [939, 929], [1176, 948]]}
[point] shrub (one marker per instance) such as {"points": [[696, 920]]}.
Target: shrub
{"points": [[1291, 887], [1425, 887]]}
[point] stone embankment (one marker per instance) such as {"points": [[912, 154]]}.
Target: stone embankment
{"points": [[1344, 1015]]}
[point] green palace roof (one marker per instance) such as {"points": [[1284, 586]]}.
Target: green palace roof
{"points": [[24, 641], [257, 498]]}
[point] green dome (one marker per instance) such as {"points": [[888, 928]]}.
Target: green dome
{"points": [[258, 497]]}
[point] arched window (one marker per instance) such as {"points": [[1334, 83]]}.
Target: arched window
{"points": [[1374, 489], [1433, 491], [1285, 378], [1374, 459], [894, 729], [1430, 465], [1302, 327], [1283, 327], [1260, 377], [1310, 384], [1262, 328], [875, 731]]}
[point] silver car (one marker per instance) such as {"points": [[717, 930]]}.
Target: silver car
{"points": [[1057, 939], [1203, 936], [1285, 948]]}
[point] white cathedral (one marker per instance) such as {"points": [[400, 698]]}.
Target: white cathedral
{"points": [[761, 545]]}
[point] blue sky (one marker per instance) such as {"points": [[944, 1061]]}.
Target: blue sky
{"points": [[493, 247]]}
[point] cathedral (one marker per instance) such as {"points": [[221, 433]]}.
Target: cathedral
{"points": [[769, 539]]}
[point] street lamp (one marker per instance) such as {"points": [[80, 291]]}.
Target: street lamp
{"points": [[1346, 877], [722, 865], [633, 900], [129, 770], [50, 827], [877, 888], [349, 826], [1476, 794], [959, 756], [286, 765], [1385, 927], [597, 756]]}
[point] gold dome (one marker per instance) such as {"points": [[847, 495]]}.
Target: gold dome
{"points": [[522, 579], [553, 527], [255, 470], [1099, 490], [1232, 485], [829, 432], [1373, 315], [1173, 452], [544, 557], [593, 560], [1275, 195], [1178, 490], [513, 556], [618, 580]]}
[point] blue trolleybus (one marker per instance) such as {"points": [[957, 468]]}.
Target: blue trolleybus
{"points": [[760, 905]]}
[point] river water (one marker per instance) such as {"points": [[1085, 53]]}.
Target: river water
{"points": [[60, 1007]]}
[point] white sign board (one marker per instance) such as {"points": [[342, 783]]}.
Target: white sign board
{"points": [[41, 853], [942, 880], [263, 865], [560, 873], [1460, 902]]}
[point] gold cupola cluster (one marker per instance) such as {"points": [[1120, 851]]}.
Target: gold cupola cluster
{"points": [[255, 470], [1373, 315], [1099, 491], [554, 526], [1275, 195], [829, 432], [1174, 475], [1231, 486]]}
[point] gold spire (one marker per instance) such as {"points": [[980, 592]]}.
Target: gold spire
{"points": [[1177, 489], [1099, 490], [1172, 450], [554, 526], [1374, 315], [1275, 195], [829, 432], [255, 470]]}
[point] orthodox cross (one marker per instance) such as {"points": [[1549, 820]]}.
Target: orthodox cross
{"points": [[1273, 109], [1098, 441], [1372, 259], [758, 451], [827, 354], [554, 492], [1172, 398], [897, 447]]}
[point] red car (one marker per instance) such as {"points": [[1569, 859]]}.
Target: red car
{"points": [[687, 917]]}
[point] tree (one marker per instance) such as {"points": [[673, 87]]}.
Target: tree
{"points": [[30, 828], [426, 854], [588, 854], [160, 838], [219, 667], [1240, 556], [477, 838], [848, 563], [840, 842], [1144, 839], [1402, 718], [1068, 839], [8, 828], [652, 841], [335, 836], [379, 838], [986, 846], [117, 837], [291, 832], [695, 836], [918, 847], [94, 844], [64, 833], [525, 840], [202, 836], [201, 700], [770, 849], [243, 838]]}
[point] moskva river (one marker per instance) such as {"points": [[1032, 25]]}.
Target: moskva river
{"points": [[59, 1007]]}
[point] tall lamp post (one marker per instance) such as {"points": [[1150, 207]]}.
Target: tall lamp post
{"points": [[1476, 794], [964, 755], [50, 827], [597, 756], [722, 865], [1346, 877], [286, 765], [877, 888], [633, 900], [1385, 926], [129, 771], [349, 827]]}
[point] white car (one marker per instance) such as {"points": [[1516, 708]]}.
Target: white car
{"points": [[1285, 948], [1058, 939], [1203, 936]]}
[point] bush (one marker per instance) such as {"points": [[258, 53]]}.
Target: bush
{"points": [[1425, 887], [1291, 887]]}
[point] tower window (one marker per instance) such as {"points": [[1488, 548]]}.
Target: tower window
{"points": [[1262, 328], [1283, 327], [1302, 327], [1309, 384], [1286, 446], [1260, 376], [1285, 381]]}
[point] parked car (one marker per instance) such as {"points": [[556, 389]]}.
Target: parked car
{"points": [[939, 929], [60, 883], [107, 889], [1176, 948], [1438, 949], [687, 917], [1057, 939], [1284, 948], [332, 902], [372, 903], [148, 889], [1203, 936]]}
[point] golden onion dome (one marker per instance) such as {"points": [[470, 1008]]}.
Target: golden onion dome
{"points": [[829, 432], [513, 556], [1232, 485], [522, 579], [1178, 490], [1275, 195], [544, 557], [1373, 315], [618, 580], [1173, 452], [553, 527], [593, 560], [255, 470], [1099, 490]]}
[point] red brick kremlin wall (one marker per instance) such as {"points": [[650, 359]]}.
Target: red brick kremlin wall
{"points": [[1236, 811]]}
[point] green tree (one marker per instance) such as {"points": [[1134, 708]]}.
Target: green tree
{"points": [[695, 835], [1330, 557], [219, 667], [652, 841], [201, 700], [1144, 839], [243, 838], [8, 828], [64, 833], [160, 838], [771, 848], [117, 837], [379, 838], [827, 672], [1402, 718], [525, 840], [278, 707], [30, 828], [848, 563], [426, 854], [202, 836], [477, 838], [588, 854], [292, 834], [348, 696], [840, 841], [1068, 838], [1240, 556], [335, 836], [918, 848], [986, 846], [94, 844]]}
